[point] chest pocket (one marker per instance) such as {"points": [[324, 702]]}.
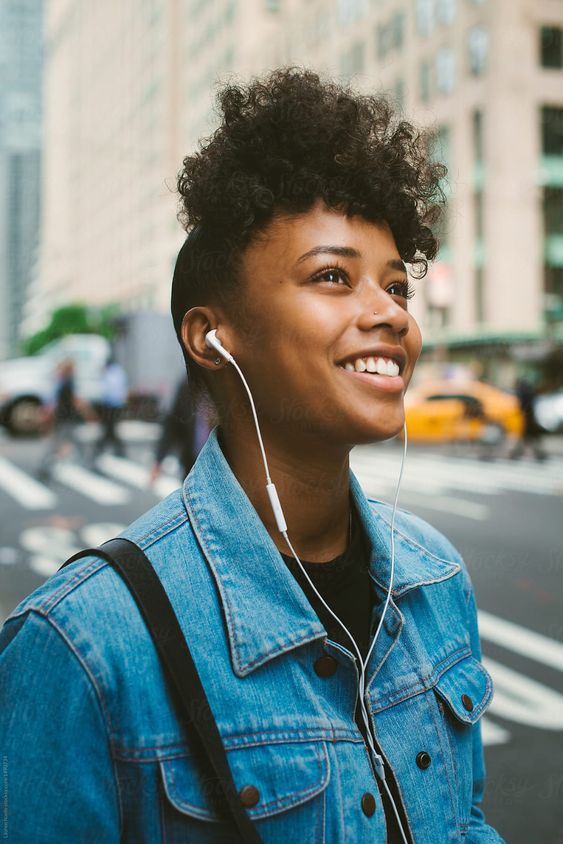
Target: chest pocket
{"points": [[464, 693], [281, 785]]}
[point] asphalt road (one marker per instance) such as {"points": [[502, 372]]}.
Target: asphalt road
{"points": [[504, 517]]}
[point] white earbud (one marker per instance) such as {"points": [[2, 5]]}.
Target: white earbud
{"points": [[213, 341]]}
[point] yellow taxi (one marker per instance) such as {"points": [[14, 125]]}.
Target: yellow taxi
{"points": [[450, 411]]}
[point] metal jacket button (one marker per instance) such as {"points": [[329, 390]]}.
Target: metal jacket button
{"points": [[368, 804], [249, 796], [423, 760], [325, 666], [467, 702]]}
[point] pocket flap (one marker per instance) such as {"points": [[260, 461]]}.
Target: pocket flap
{"points": [[285, 775], [467, 688]]}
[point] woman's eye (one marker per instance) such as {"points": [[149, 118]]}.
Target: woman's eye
{"points": [[332, 276], [401, 288]]}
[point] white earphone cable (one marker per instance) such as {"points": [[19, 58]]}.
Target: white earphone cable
{"points": [[278, 513]]}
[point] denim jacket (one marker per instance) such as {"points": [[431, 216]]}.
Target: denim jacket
{"points": [[93, 750]]}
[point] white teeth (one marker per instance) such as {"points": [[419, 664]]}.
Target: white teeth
{"points": [[371, 364]]}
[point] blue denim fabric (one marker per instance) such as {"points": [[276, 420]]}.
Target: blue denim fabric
{"points": [[93, 749]]}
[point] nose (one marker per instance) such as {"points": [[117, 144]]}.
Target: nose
{"points": [[381, 310]]}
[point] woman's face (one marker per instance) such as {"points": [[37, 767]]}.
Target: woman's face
{"points": [[321, 295]]}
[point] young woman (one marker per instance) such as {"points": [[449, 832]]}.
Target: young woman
{"points": [[348, 713]]}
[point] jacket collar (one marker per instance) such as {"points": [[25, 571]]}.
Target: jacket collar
{"points": [[266, 611]]}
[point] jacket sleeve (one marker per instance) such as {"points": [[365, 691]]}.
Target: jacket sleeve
{"points": [[59, 781], [479, 831]]}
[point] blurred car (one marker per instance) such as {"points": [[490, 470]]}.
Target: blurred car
{"points": [[28, 384], [548, 410], [450, 411]]}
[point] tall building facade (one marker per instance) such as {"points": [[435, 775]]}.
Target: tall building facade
{"points": [[130, 90], [20, 160], [112, 105]]}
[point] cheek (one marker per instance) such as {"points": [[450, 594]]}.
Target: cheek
{"points": [[413, 341]]}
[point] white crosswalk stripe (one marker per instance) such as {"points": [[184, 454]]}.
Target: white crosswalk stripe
{"points": [[26, 490], [436, 475], [521, 640], [493, 733], [136, 475], [99, 489], [103, 489], [518, 698]]}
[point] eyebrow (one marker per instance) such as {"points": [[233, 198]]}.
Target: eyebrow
{"points": [[343, 251], [348, 252]]}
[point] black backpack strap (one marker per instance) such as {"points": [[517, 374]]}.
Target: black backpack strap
{"points": [[144, 584]]}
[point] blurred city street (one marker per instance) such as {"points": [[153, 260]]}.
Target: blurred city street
{"points": [[136, 188], [503, 516]]}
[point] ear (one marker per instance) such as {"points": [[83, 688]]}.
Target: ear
{"points": [[195, 325]]}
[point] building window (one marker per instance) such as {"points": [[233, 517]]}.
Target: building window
{"points": [[353, 60], [445, 11], [478, 213], [231, 9], [553, 285], [477, 127], [445, 70], [553, 211], [398, 29], [357, 58], [551, 46], [441, 145], [390, 36], [381, 42], [398, 93], [425, 16], [479, 297], [552, 130], [479, 227], [350, 11], [478, 47], [425, 81]]}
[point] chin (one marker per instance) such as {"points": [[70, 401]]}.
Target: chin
{"points": [[380, 432]]}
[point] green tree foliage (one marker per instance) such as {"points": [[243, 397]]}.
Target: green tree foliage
{"points": [[73, 319]]}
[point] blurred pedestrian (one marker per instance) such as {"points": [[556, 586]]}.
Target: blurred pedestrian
{"points": [[185, 429], [61, 415], [532, 433], [113, 400]]}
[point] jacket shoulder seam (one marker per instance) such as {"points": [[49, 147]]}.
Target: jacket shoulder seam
{"points": [[70, 585], [98, 563]]}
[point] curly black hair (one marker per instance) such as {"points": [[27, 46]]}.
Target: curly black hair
{"points": [[285, 142]]}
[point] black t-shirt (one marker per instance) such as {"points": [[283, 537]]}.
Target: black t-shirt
{"points": [[346, 586]]}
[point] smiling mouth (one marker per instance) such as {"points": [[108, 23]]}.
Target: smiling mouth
{"points": [[381, 375], [375, 365]]}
